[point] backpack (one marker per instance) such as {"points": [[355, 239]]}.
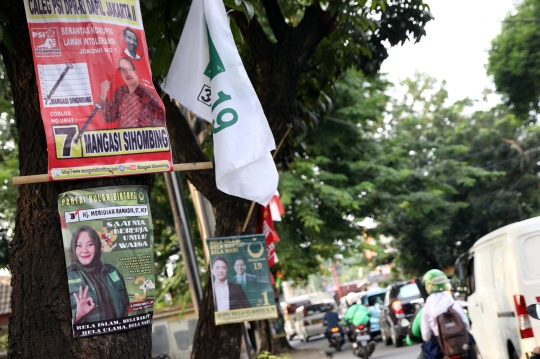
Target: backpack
{"points": [[453, 335]]}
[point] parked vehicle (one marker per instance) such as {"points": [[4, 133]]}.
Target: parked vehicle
{"points": [[289, 308], [336, 338], [309, 318], [501, 274], [363, 347], [373, 300], [403, 299]]}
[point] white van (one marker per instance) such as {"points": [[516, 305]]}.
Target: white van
{"points": [[502, 277]]}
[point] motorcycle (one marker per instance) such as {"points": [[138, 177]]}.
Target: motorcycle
{"points": [[363, 347], [534, 312], [336, 338]]}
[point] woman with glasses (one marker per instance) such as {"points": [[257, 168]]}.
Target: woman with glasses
{"points": [[132, 105]]}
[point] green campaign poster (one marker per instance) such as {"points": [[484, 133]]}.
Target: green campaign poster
{"points": [[109, 250], [241, 279]]}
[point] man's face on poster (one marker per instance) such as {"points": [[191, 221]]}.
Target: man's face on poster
{"points": [[219, 270], [128, 73], [131, 41], [240, 267]]}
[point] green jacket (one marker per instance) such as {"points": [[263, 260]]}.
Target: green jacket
{"points": [[114, 281], [357, 314], [414, 336]]}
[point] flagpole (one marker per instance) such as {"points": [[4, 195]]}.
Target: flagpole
{"points": [[273, 157]]}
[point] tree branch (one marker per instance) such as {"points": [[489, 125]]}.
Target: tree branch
{"points": [[276, 19], [186, 149], [314, 27], [258, 42]]}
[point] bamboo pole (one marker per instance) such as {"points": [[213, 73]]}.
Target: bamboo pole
{"points": [[195, 166], [252, 207]]}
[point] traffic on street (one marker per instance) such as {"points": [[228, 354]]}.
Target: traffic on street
{"points": [[381, 351]]}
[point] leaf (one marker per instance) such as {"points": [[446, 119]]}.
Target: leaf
{"points": [[148, 4], [161, 61], [6, 39], [248, 10]]}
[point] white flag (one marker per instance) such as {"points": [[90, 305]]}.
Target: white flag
{"points": [[208, 77]]}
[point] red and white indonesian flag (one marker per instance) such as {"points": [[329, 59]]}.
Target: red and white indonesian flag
{"points": [[207, 76], [266, 226]]}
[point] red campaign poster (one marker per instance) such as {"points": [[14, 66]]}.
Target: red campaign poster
{"points": [[101, 112]]}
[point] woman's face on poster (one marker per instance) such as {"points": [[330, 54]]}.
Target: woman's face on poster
{"points": [[85, 249]]}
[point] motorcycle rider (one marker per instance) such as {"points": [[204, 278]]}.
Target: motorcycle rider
{"points": [[331, 319], [356, 314], [438, 301]]}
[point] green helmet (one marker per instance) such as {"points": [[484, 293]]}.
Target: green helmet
{"points": [[435, 281]]}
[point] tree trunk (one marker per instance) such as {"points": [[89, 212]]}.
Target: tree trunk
{"points": [[40, 322]]}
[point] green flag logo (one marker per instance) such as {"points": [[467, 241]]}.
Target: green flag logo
{"points": [[215, 66]]}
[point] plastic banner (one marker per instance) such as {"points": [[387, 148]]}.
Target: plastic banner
{"points": [[101, 112], [241, 279], [109, 250]]}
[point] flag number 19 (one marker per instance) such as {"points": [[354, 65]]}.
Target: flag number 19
{"points": [[221, 123]]}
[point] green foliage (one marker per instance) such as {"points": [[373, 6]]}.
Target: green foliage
{"points": [[434, 178], [4, 342], [172, 287], [268, 355], [9, 167], [514, 59]]}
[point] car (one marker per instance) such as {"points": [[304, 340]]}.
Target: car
{"points": [[373, 300], [289, 308], [309, 318], [403, 299], [500, 274]]}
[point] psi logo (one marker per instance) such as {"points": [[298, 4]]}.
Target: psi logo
{"points": [[46, 42]]}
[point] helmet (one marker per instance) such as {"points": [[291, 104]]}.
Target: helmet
{"points": [[435, 281]]}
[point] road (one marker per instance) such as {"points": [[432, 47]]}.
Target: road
{"points": [[381, 352]]}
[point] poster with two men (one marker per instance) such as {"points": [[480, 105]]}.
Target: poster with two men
{"points": [[241, 279]]}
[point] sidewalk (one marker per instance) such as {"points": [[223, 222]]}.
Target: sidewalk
{"points": [[307, 354]]}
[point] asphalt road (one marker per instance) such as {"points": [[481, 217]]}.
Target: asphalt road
{"points": [[381, 352]]}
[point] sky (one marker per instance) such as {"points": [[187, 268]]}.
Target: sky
{"points": [[454, 49]]}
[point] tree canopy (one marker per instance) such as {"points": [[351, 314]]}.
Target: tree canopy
{"points": [[514, 60], [434, 177]]}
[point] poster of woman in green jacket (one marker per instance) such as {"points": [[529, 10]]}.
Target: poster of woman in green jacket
{"points": [[97, 289]]}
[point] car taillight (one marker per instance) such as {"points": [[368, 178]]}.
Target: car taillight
{"points": [[306, 322], [397, 307], [335, 329], [361, 326], [525, 329]]}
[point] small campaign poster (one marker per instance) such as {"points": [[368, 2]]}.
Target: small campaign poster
{"points": [[241, 279], [101, 112], [109, 249]]}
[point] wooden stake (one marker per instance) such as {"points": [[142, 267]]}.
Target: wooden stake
{"points": [[195, 166], [273, 156]]}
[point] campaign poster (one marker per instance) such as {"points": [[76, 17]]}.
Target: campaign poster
{"points": [[101, 112], [109, 250], [241, 279]]}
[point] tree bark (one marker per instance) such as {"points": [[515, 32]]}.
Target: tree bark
{"points": [[40, 322]]}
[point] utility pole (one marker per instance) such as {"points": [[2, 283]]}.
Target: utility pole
{"points": [[185, 239]]}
